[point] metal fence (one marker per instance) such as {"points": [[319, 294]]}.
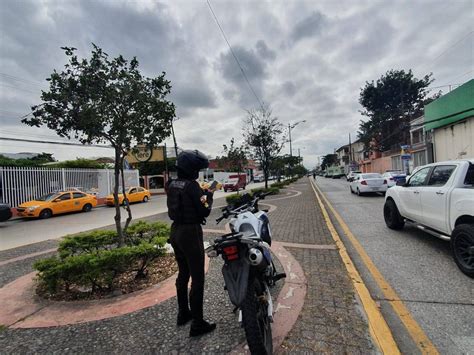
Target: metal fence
{"points": [[18, 185]]}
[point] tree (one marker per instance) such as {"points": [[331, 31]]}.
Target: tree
{"points": [[328, 160], [38, 160], [103, 100], [390, 104], [263, 135], [234, 158]]}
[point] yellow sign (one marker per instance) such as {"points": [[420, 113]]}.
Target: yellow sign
{"points": [[141, 154]]}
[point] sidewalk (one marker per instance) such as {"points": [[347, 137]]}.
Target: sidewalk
{"points": [[331, 320]]}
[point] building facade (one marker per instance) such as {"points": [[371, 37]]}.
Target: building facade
{"points": [[450, 121]]}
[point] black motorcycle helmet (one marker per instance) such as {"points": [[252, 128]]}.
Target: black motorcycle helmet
{"points": [[189, 163]]}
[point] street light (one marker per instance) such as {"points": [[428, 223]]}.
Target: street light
{"points": [[290, 127]]}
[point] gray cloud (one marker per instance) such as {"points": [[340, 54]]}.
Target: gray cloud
{"points": [[307, 60], [309, 26], [254, 68], [264, 51]]}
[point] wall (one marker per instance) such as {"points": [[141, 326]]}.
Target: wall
{"points": [[450, 141], [381, 165]]}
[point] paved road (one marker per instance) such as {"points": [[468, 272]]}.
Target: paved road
{"points": [[19, 232], [418, 266]]}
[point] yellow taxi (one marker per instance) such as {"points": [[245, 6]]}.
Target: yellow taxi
{"points": [[56, 203], [134, 194]]}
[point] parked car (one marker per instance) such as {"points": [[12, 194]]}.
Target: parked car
{"points": [[134, 194], [235, 183], [438, 199], [394, 176], [351, 175], [367, 183], [5, 212], [56, 203], [259, 178]]}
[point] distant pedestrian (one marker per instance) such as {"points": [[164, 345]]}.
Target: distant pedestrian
{"points": [[188, 207], [314, 176]]}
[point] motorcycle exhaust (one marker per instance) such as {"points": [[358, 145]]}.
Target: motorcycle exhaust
{"points": [[255, 256]]}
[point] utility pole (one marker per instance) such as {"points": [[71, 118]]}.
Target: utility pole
{"points": [[174, 139], [290, 127], [289, 134]]}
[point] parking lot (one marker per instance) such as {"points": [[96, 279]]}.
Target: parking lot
{"points": [[418, 266]]}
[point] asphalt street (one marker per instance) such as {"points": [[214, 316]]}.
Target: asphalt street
{"points": [[417, 265], [18, 232]]}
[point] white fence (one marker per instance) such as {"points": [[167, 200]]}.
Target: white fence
{"points": [[18, 185]]}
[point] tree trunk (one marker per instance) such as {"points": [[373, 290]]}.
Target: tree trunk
{"points": [[125, 197], [117, 217]]}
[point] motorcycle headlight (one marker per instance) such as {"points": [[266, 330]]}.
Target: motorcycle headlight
{"points": [[32, 208]]}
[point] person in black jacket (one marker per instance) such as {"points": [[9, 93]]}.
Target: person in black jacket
{"points": [[188, 207]]}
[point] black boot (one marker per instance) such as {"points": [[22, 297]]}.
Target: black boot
{"points": [[184, 317], [200, 327]]}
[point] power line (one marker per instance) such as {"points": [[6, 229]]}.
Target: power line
{"points": [[24, 81], [446, 50], [52, 142], [233, 54], [18, 88]]}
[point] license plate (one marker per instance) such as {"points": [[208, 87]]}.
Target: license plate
{"points": [[374, 188]]}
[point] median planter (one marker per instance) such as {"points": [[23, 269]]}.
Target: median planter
{"points": [[91, 265]]}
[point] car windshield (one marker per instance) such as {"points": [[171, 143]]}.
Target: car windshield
{"points": [[48, 197], [371, 176]]}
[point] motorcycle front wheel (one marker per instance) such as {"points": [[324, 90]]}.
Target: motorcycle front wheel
{"points": [[255, 320]]}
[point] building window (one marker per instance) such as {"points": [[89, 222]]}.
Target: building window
{"points": [[397, 163], [417, 136], [419, 158]]}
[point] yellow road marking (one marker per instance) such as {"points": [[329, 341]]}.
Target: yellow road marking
{"points": [[378, 327], [417, 334]]}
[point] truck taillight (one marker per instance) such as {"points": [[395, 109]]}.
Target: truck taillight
{"points": [[363, 182]]}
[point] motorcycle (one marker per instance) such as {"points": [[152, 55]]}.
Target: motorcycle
{"points": [[248, 269]]}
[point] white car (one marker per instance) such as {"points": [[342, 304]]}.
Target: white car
{"points": [[438, 199], [393, 177], [259, 178], [368, 182], [351, 175]]}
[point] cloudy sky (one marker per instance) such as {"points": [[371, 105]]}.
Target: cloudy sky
{"points": [[306, 59]]}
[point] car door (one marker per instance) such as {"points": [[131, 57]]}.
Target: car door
{"points": [[78, 200], [63, 203], [133, 195], [434, 197], [410, 195]]}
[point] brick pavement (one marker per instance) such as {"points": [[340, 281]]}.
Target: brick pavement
{"points": [[331, 320]]}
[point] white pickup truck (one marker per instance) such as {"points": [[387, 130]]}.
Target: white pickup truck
{"points": [[439, 199]]}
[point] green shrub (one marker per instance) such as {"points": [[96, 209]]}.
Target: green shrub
{"points": [[93, 259], [274, 190], [232, 199]]}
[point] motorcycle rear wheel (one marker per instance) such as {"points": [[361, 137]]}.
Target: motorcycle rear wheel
{"points": [[255, 320]]}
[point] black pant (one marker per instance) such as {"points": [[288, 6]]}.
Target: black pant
{"points": [[187, 242]]}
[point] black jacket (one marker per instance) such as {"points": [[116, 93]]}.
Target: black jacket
{"points": [[184, 202]]}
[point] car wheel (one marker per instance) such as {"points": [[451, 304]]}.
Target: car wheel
{"points": [[352, 191], [87, 207], [46, 213], [392, 216], [225, 190], [462, 246], [358, 192], [145, 199]]}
